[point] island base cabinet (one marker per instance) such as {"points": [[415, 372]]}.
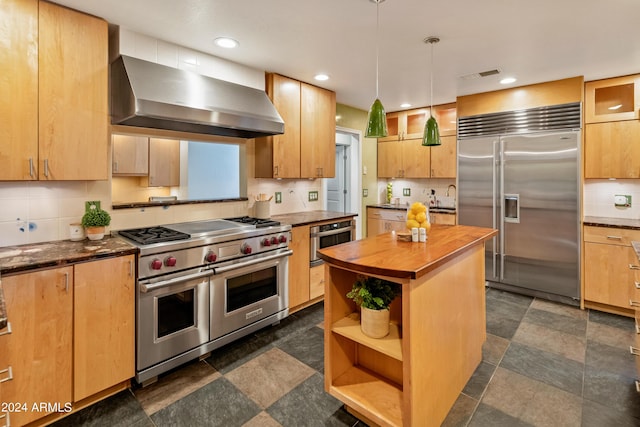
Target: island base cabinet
{"points": [[415, 374]]}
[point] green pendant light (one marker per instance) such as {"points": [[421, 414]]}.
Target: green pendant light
{"points": [[431, 135], [377, 121]]}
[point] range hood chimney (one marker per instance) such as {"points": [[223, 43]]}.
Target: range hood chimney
{"points": [[147, 94]]}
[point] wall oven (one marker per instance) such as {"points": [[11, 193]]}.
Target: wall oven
{"points": [[325, 235]]}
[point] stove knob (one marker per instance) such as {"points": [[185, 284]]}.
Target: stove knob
{"points": [[246, 249], [170, 261], [283, 239], [274, 240], [156, 264], [210, 257], [266, 242]]}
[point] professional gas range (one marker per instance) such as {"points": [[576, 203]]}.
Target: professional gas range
{"points": [[204, 284]]}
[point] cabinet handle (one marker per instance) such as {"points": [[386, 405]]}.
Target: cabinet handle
{"points": [[46, 168], [9, 373], [432, 173], [634, 351], [115, 166], [633, 303], [66, 282], [614, 237], [130, 268], [634, 267], [31, 171], [275, 171], [637, 284], [7, 330]]}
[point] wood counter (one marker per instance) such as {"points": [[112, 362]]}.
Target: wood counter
{"points": [[413, 376]]}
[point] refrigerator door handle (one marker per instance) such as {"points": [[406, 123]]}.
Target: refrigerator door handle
{"points": [[494, 194], [501, 199]]}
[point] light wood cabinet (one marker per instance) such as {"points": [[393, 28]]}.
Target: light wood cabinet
{"points": [[299, 267], [612, 150], [609, 282], [164, 162], [19, 90], [612, 99], [104, 331], [381, 220], [444, 158], [316, 281], [410, 159], [408, 124], [51, 132], [442, 218], [130, 155], [73, 83], [307, 147], [38, 350], [446, 116]]}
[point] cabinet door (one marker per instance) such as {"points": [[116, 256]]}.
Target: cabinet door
{"points": [[278, 156], [130, 155], [317, 132], [19, 90], [104, 331], [396, 125], [375, 222], [40, 309], [416, 159], [299, 266], [444, 158], [445, 219], [608, 279], [316, 281], [73, 85], [612, 150], [164, 162], [612, 99], [415, 121], [446, 116], [390, 159]]}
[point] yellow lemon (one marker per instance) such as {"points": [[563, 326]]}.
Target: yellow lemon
{"points": [[426, 225], [421, 217], [411, 215], [412, 223]]}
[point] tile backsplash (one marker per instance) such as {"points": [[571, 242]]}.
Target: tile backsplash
{"points": [[599, 195]]}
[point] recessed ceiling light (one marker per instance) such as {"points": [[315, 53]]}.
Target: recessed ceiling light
{"points": [[226, 42], [405, 105], [615, 107], [321, 77], [507, 80]]}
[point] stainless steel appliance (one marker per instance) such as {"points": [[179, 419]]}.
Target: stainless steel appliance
{"points": [[323, 236], [204, 284], [519, 172]]}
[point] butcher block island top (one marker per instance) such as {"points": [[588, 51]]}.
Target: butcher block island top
{"points": [[413, 376]]}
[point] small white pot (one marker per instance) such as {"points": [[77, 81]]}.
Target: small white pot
{"points": [[374, 323]]}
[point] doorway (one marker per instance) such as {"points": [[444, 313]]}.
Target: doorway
{"points": [[342, 192]]}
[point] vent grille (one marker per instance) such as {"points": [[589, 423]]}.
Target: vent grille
{"points": [[489, 73], [554, 117]]}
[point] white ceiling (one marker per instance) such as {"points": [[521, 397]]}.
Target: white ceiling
{"points": [[534, 41]]}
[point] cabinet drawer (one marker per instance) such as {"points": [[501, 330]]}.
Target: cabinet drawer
{"points": [[388, 214], [611, 235]]}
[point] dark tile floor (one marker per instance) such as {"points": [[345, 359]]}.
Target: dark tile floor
{"points": [[544, 364]]}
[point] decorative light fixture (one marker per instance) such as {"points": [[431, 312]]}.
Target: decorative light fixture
{"points": [[377, 121], [431, 132]]}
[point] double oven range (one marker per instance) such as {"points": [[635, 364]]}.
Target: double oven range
{"points": [[204, 284]]}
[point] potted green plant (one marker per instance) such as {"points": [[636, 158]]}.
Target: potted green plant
{"points": [[94, 221], [374, 296]]}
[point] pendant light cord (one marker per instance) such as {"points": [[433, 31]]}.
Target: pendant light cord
{"points": [[377, 44], [431, 90]]}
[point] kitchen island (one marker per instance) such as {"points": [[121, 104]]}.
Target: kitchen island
{"points": [[413, 376]]}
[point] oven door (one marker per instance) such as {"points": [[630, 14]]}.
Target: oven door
{"points": [[173, 316], [320, 238], [247, 291]]}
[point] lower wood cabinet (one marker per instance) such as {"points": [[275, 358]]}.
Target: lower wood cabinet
{"points": [[381, 220], [37, 354], [71, 336], [442, 218], [299, 267], [608, 279]]}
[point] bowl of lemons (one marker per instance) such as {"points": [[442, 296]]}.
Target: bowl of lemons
{"points": [[418, 216]]}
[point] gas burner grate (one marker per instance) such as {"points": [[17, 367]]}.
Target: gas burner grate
{"points": [[149, 235], [258, 222]]}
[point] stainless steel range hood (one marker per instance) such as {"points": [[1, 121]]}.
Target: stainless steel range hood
{"points": [[151, 95]]}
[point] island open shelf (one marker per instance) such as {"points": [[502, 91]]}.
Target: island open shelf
{"points": [[414, 375]]}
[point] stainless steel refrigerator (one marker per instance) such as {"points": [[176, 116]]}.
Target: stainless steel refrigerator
{"points": [[519, 172]]}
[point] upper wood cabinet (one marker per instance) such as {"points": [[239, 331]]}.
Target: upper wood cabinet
{"points": [[612, 150], [410, 159], [307, 147], [407, 124], [612, 99], [53, 98], [164, 162], [19, 90], [446, 116], [38, 349], [130, 155], [444, 158]]}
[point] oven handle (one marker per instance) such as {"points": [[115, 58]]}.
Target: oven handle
{"points": [[331, 232], [155, 286], [219, 270]]}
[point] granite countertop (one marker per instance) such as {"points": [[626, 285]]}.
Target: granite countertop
{"points": [[3, 310], [16, 259], [450, 211], [297, 219], [600, 221]]}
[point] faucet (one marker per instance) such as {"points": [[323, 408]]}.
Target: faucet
{"points": [[454, 187]]}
